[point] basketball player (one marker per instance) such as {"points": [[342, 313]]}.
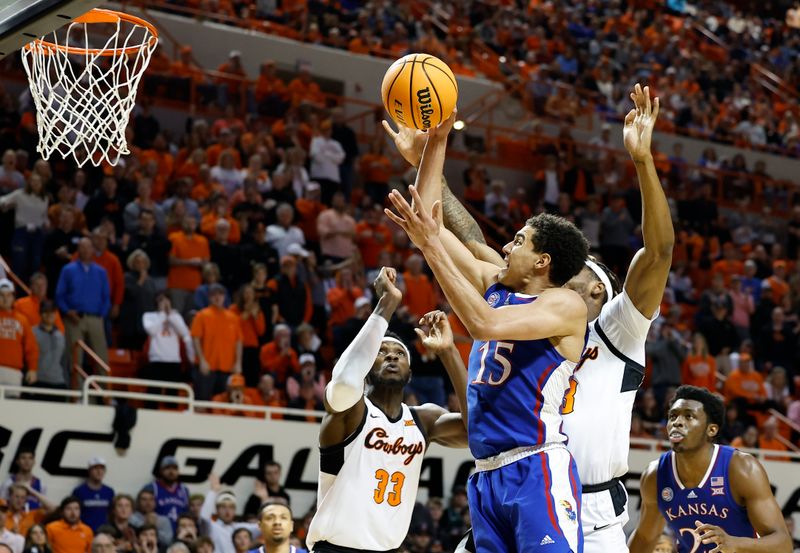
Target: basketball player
{"points": [[597, 409], [276, 524], [371, 446], [529, 334], [713, 497]]}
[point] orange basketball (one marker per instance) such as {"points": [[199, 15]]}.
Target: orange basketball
{"points": [[419, 91]]}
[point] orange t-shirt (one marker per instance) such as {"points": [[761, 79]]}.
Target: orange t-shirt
{"points": [[64, 538], [370, 246], [18, 345], [218, 331], [747, 385], [308, 211], [251, 328], [727, 269], [185, 277], [20, 523], [29, 306], [773, 445], [700, 370], [213, 152], [224, 397], [208, 226], [279, 365], [341, 302], [376, 168], [419, 297]]}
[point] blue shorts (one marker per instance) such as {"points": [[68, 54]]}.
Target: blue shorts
{"points": [[529, 505]]}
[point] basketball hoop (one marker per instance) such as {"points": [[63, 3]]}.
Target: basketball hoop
{"points": [[84, 95]]}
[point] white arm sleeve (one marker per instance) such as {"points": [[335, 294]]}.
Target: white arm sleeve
{"points": [[347, 382]]}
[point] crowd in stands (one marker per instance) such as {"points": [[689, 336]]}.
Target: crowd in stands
{"points": [[239, 256], [710, 87]]}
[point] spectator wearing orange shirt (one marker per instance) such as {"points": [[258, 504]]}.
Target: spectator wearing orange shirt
{"points": [[217, 343], [18, 349], [267, 394], [254, 325], [208, 225], [376, 169], [308, 210], [271, 93], [227, 142], [232, 82], [699, 367], [278, 357], [302, 90], [777, 282], [372, 236], [745, 387], [342, 296], [748, 439], [419, 297], [235, 394], [769, 440], [69, 534], [29, 305], [189, 253]]}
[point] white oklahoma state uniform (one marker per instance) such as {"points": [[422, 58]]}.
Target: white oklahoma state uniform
{"points": [[598, 424], [368, 484]]}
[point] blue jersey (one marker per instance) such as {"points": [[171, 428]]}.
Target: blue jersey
{"points": [[292, 549], [515, 389], [710, 502], [171, 501], [94, 504]]}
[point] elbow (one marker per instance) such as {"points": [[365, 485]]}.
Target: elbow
{"points": [[341, 396], [480, 330]]}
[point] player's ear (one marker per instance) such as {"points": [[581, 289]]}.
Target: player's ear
{"points": [[712, 430], [598, 290], [544, 261]]}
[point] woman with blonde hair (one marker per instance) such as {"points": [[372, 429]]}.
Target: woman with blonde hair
{"points": [[139, 298], [30, 221]]}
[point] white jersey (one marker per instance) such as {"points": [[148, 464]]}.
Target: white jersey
{"points": [[368, 484], [607, 378]]}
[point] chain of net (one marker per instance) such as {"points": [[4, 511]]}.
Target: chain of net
{"points": [[84, 101]]}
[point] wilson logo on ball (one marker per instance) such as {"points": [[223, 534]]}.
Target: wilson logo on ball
{"points": [[425, 109]]}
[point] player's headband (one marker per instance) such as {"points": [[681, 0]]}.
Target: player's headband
{"points": [[603, 276], [396, 341]]}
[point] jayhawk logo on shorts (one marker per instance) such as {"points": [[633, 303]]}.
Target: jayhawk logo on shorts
{"points": [[571, 514]]}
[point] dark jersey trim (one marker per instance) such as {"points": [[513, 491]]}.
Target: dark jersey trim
{"points": [[331, 458], [633, 375]]}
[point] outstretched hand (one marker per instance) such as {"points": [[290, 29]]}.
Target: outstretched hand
{"points": [[421, 227], [637, 132], [409, 142], [386, 285], [439, 337]]}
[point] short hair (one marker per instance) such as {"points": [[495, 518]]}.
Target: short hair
{"points": [[566, 245], [186, 516], [712, 405], [178, 547], [108, 530], [47, 306], [274, 501], [69, 500], [241, 529], [146, 527]]}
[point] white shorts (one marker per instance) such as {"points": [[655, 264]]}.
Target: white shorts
{"points": [[603, 517]]}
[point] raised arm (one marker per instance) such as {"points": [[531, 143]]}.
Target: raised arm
{"points": [[344, 394], [751, 489], [411, 144], [651, 523], [649, 269], [557, 312]]}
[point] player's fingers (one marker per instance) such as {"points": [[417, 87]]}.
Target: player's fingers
{"points": [[401, 204], [656, 107], [391, 273], [421, 334], [647, 105], [416, 198], [389, 130], [630, 117], [436, 212], [395, 219]]}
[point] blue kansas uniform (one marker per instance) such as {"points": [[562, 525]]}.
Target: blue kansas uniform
{"points": [[711, 502], [525, 493]]}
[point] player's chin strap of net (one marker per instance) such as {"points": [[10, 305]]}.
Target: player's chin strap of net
{"points": [[601, 274]]}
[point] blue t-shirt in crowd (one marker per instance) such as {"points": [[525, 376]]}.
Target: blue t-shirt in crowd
{"points": [[94, 504]]}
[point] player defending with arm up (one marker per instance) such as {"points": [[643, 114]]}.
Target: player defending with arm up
{"points": [[371, 446], [529, 333], [714, 498]]}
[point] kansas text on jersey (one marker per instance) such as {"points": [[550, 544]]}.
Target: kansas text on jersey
{"points": [[710, 502]]}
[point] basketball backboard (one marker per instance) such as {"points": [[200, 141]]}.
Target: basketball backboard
{"points": [[22, 21]]}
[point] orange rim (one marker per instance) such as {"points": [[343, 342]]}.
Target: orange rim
{"points": [[98, 15]]}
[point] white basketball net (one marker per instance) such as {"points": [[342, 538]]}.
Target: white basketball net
{"points": [[84, 95]]}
